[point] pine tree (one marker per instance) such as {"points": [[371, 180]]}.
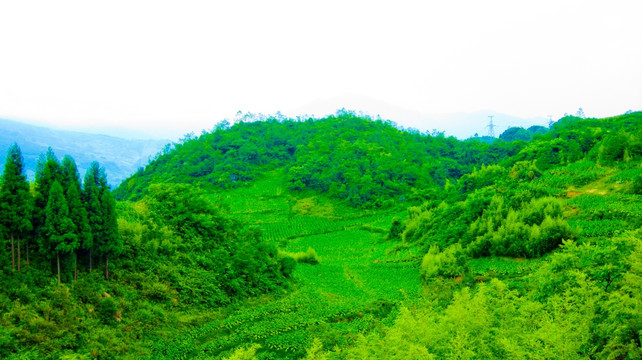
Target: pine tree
{"points": [[15, 201], [59, 228]]}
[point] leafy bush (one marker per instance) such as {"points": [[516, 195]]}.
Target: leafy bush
{"points": [[449, 263], [636, 185], [106, 310], [525, 171], [308, 257], [396, 229], [287, 265], [485, 176]]}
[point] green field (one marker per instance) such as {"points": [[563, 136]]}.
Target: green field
{"points": [[355, 289]]}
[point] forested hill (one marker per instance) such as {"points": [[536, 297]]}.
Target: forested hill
{"points": [[367, 163], [120, 157]]}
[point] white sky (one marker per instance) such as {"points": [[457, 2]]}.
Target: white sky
{"points": [[182, 66]]}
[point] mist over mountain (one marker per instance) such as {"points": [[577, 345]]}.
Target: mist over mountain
{"points": [[120, 157]]}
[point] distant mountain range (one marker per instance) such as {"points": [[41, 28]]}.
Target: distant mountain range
{"points": [[120, 157]]}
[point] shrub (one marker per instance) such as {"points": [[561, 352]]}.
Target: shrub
{"points": [[637, 185], [396, 229], [538, 209], [450, 263], [309, 257], [548, 236], [106, 310], [287, 265]]}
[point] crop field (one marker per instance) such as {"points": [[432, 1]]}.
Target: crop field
{"points": [[354, 289]]}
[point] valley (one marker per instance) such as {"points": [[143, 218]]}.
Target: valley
{"points": [[339, 238]]}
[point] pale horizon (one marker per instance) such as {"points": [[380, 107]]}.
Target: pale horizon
{"points": [[159, 68]]}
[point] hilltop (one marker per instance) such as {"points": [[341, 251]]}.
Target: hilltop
{"points": [[364, 162]]}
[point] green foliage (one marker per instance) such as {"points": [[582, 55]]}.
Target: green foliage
{"points": [[111, 242], [636, 185], [93, 186], [198, 274], [369, 164], [486, 176], [449, 263], [244, 353], [437, 226], [106, 310], [308, 257], [525, 171], [230, 262], [48, 171], [59, 229], [15, 201], [396, 230], [516, 134], [78, 216]]}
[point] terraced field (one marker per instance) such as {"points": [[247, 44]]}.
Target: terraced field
{"points": [[354, 289]]}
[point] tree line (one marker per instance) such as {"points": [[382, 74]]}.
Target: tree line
{"points": [[58, 219]]}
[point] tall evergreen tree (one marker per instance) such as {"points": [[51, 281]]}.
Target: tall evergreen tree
{"points": [[110, 242], [15, 201], [48, 171], [78, 215], [93, 184], [69, 172], [77, 212], [59, 228]]}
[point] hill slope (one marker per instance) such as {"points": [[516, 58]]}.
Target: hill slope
{"points": [[367, 163]]}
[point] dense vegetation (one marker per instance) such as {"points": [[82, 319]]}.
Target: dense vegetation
{"points": [[367, 163], [173, 249], [409, 246]]}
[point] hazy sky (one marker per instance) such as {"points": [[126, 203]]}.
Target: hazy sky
{"points": [[185, 65]]}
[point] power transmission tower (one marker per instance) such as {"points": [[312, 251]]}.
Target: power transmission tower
{"points": [[491, 127], [550, 121]]}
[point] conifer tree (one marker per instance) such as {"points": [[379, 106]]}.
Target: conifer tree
{"points": [[77, 212], [69, 173], [101, 213], [48, 171], [91, 196], [78, 215], [110, 242], [59, 228], [15, 201]]}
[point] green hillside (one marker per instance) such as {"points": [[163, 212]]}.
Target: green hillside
{"points": [[367, 163], [348, 238]]}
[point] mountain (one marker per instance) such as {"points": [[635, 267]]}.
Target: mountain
{"points": [[120, 157]]}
